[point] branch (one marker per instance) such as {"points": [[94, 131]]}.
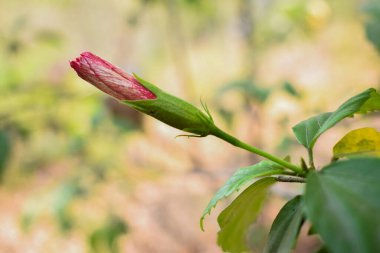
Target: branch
{"points": [[291, 179]]}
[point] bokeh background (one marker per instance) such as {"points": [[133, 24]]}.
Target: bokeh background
{"points": [[81, 173]]}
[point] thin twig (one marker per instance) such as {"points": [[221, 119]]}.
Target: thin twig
{"points": [[291, 179]]}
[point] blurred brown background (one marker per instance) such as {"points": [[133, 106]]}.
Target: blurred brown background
{"points": [[81, 173]]}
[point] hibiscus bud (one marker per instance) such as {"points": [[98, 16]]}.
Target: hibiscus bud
{"points": [[109, 79], [142, 95]]}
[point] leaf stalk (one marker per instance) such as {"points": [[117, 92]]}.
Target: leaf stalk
{"points": [[311, 158]]}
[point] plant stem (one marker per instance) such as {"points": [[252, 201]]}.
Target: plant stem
{"points": [[236, 142], [311, 158], [291, 179]]}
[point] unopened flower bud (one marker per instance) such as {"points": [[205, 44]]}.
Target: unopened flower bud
{"points": [[109, 78], [141, 95]]}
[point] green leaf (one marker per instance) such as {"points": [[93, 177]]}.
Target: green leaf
{"points": [[357, 142], [289, 88], [241, 177], [238, 216], [342, 203], [285, 228], [308, 131], [372, 104]]}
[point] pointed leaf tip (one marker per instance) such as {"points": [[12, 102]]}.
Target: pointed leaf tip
{"points": [[308, 131], [238, 180]]}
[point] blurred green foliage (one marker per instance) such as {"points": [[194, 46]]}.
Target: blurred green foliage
{"points": [[104, 238], [5, 151], [372, 26], [63, 144]]}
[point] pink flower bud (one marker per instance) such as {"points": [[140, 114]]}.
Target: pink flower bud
{"points": [[143, 96], [109, 78]]}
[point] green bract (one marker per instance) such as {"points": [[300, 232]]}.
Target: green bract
{"points": [[173, 111]]}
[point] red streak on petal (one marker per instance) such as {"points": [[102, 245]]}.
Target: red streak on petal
{"points": [[109, 78]]}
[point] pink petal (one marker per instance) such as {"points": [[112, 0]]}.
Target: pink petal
{"points": [[109, 78]]}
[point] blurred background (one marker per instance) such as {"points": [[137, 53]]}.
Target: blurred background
{"points": [[79, 172]]}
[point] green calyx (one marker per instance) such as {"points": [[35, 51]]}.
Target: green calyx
{"points": [[173, 111]]}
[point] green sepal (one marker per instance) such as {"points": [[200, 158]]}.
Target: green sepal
{"points": [[173, 111]]}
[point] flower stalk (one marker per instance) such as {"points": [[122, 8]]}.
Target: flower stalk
{"points": [[149, 99], [238, 143]]}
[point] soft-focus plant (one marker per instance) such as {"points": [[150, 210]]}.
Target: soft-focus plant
{"points": [[372, 25], [340, 200]]}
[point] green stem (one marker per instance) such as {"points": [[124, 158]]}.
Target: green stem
{"points": [[311, 158], [236, 142]]}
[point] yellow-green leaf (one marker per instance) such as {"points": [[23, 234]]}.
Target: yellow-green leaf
{"points": [[235, 220], [363, 141]]}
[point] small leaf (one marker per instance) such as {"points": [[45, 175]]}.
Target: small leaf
{"points": [[285, 228], [240, 214], [359, 141], [342, 203], [241, 177], [246, 88], [289, 88], [308, 131], [372, 103]]}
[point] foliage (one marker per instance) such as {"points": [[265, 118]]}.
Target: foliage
{"points": [[372, 26], [60, 139], [237, 217], [358, 142], [286, 227], [241, 177], [104, 238], [331, 198], [308, 131], [340, 200]]}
